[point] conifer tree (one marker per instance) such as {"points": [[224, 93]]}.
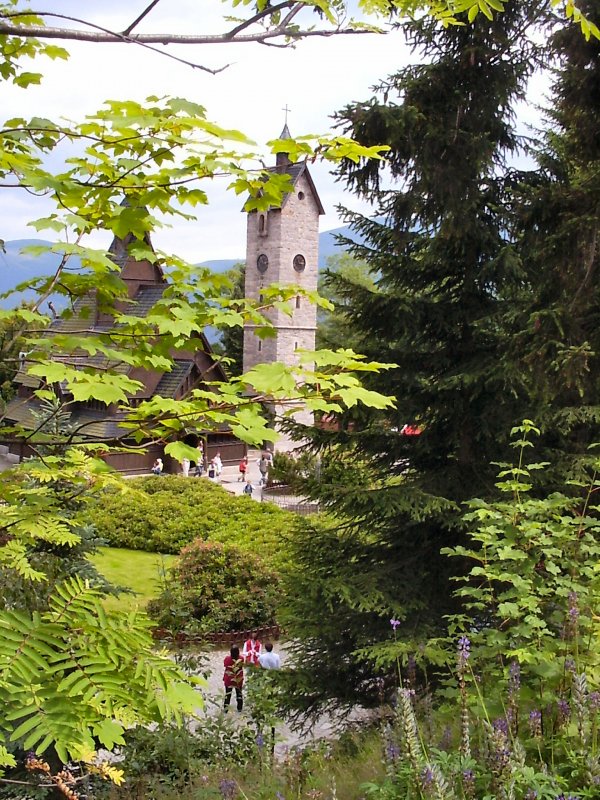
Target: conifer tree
{"points": [[557, 226], [448, 278]]}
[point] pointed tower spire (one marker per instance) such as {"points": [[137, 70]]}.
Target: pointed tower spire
{"points": [[283, 159]]}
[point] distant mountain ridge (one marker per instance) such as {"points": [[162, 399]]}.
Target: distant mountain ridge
{"points": [[17, 267]]}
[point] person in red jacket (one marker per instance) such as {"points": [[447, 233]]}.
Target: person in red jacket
{"points": [[252, 649], [233, 678]]}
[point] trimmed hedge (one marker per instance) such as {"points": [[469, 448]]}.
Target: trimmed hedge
{"points": [[164, 514]]}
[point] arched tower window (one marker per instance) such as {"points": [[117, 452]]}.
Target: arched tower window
{"points": [[297, 301], [262, 224]]}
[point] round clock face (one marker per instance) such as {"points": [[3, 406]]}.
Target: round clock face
{"points": [[262, 262], [299, 262]]}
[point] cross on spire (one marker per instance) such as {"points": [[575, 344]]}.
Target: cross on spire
{"points": [[287, 110]]}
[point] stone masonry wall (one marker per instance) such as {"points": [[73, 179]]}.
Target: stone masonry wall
{"points": [[290, 231]]}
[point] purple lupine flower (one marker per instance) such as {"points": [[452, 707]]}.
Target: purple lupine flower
{"points": [[570, 665], [594, 700], [572, 614], [392, 751], [395, 623], [468, 781], [501, 724], [530, 794], [260, 741], [535, 723], [499, 753], [464, 651], [426, 778], [564, 711], [228, 789]]}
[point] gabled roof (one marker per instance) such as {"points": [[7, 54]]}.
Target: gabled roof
{"points": [[295, 170], [147, 284]]}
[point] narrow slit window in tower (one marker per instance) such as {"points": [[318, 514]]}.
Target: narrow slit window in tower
{"points": [[297, 301]]}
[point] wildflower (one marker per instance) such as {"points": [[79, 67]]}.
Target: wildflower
{"points": [[464, 651], [426, 778], [501, 725], [564, 712], [535, 723], [498, 756], [570, 628], [279, 796], [570, 665], [468, 781], [594, 700], [260, 740], [394, 623], [514, 678], [573, 608], [228, 789], [392, 751], [530, 794]]}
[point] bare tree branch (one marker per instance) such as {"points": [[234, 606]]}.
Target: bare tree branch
{"points": [[101, 35], [269, 10], [146, 11]]}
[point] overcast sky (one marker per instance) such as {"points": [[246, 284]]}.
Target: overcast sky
{"points": [[316, 78]]}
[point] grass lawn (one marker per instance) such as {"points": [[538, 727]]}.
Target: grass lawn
{"points": [[140, 571]]}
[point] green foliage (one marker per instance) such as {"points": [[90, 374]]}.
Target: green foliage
{"points": [[74, 675], [176, 753], [533, 592], [44, 539], [231, 343], [483, 301], [163, 515], [291, 470], [220, 758], [334, 329], [12, 343], [556, 222], [216, 587]]}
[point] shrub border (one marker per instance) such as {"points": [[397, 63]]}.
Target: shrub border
{"points": [[181, 639]]}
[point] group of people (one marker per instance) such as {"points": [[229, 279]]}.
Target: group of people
{"points": [[253, 655], [213, 472], [264, 465], [215, 467]]}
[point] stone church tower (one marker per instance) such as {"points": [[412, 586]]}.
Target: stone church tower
{"points": [[283, 247]]}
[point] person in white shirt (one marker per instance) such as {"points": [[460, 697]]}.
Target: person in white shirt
{"points": [[218, 465], [268, 659]]}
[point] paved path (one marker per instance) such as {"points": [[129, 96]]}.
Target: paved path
{"points": [[325, 727], [231, 474]]}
